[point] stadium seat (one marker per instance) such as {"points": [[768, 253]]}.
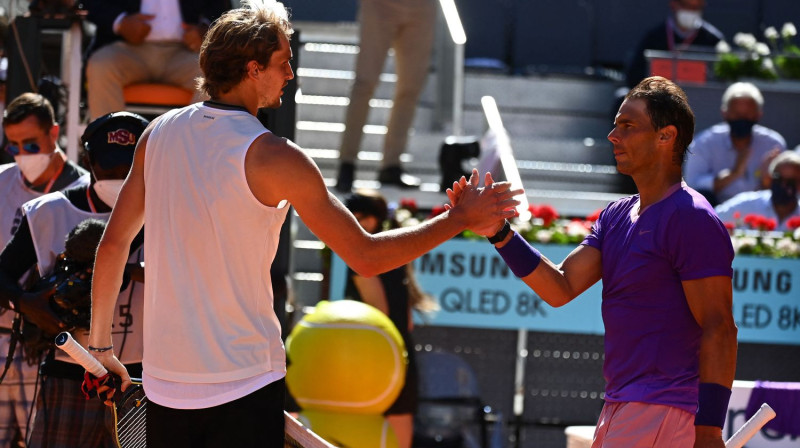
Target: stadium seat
{"points": [[155, 99]]}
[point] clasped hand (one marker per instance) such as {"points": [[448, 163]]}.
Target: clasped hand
{"points": [[485, 208]]}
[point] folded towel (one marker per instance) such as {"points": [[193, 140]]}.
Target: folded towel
{"points": [[784, 398]]}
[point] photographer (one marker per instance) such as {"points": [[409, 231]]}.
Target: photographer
{"points": [[39, 167], [64, 417]]}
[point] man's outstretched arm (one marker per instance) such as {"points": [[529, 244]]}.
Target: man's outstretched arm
{"points": [[277, 169]]}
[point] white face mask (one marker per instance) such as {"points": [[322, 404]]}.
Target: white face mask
{"points": [[33, 165], [108, 190], [689, 20]]}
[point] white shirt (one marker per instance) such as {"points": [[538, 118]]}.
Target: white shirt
{"points": [[752, 203], [167, 24], [209, 322]]}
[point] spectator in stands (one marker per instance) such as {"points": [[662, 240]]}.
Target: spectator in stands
{"points": [[64, 418], [684, 28], [665, 260], [40, 167], [144, 41], [407, 27], [779, 203], [729, 157]]}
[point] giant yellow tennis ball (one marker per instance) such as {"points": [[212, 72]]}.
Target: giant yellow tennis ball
{"points": [[350, 430], [346, 356]]}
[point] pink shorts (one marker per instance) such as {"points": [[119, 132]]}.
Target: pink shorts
{"points": [[642, 425]]}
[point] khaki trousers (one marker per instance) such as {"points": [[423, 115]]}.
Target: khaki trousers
{"points": [[119, 64], [407, 26]]}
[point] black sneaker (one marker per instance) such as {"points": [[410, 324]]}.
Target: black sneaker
{"points": [[344, 181], [394, 176]]}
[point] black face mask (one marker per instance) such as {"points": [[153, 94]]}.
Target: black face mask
{"points": [[741, 128], [784, 191]]}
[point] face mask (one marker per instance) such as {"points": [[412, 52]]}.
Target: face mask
{"points": [[33, 165], [689, 20], [784, 191], [108, 190], [741, 128]]}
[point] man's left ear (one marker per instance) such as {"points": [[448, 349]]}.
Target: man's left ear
{"points": [[667, 134]]}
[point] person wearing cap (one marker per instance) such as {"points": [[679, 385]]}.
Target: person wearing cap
{"points": [[39, 167], [64, 418], [730, 157], [780, 202]]}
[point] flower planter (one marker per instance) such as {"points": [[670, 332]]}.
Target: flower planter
{"points": [[475, 289]]}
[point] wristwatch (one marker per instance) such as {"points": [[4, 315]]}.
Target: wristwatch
{"points": [[501, 234]]}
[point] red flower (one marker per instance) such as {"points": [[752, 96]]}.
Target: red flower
{"points": [[730, 226], [534, 210], [547, 214], [759, 222], [594, 216], [436, 211], [793, 223], [737, 214], [753, 220], [409, 204]]}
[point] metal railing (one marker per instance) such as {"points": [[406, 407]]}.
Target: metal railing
{"points": [[449, 102], [499, 142]]}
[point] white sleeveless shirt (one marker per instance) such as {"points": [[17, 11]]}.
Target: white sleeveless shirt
{"points": [[14, 193], [210, 244], [51, 217]]}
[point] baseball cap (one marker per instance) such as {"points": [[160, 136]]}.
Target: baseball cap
{"points": [[111, 139]]}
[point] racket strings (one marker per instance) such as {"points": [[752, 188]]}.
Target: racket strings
{"points": [[131, 427]]}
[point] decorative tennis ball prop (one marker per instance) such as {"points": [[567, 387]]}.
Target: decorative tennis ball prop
{"points": [[351, 430], [346, 357]]}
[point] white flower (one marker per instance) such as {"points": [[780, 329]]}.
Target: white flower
{"points": [[771, 33], [768, 65], [410, 222], [767, 241], [787, 246], [762, 48], [402, 215], [745, 40], [522, 226], [544, 236], [788, 30], [745, 241], [796, 234], [723, 47], [576, 228]]}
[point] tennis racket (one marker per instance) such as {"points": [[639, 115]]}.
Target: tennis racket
{"points": [[129, 408], [751, 427]]}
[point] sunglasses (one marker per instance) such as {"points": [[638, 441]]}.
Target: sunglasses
{"points": [[32, 148]]}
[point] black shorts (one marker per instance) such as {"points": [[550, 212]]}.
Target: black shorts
{"points": [[253, 421]]}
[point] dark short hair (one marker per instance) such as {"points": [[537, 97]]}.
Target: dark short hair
{"points": [[30, 105], [368, 203], [250, 33], [667, 105]]}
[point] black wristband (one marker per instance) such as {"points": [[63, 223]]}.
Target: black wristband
{"points": [[100, 349], [501, 234]]}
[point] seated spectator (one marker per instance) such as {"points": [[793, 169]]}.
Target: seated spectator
{"points": [[728, 158], [779, 203], [144, 41], [684, 28]]}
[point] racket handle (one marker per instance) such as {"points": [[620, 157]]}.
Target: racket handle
{"points": [[65, 342], [751, 427]]}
